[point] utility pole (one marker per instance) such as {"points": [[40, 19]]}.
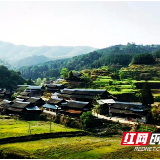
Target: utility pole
{"points": [[50, 122], [29, 128]]}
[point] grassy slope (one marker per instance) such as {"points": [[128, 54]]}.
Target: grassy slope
{"points": [[13, 128], [76, 148], [63, 148]]}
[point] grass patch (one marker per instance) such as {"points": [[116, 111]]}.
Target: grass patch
{"points": [[14, 128], [66, 148], [76, 148]]}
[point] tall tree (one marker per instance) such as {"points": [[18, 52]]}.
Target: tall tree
{"points": [[64, 72], [146, 97]]}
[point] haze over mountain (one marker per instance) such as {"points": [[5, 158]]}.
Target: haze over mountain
{"points": [[14, 53]]}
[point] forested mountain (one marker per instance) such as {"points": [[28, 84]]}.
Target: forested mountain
{"points": [[13, 53], [119, 54]]}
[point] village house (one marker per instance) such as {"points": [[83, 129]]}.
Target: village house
{"points": [[5, 94], [130, 111], [24, 109], [85, 95], [36, 101], [4, 105], [33, 90], [52, 88], [54, 104], [24, 95], [75, 108]]}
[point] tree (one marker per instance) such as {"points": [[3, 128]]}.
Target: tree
{"points": [[85, 77], [144, 58], [39, 81], [87, 119], [70, 74], [121, 75], [146, 97], [64, 73], [29, 81]]}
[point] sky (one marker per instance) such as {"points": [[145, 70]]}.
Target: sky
{"points": [[98, 24]]}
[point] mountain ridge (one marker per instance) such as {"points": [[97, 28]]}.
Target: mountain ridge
{"points": [[13, 53]]}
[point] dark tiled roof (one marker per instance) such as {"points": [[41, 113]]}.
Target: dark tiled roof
{"points": [[83, 93], [55, 100], [113, 110], [15, 109], [55, 86], [20, 105], [78, 104], [128, 106], [64, 96], [24, 93], [23, 97], [35, 100], [18, 99]]}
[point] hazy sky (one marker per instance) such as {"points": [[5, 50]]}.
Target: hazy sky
{"points": [[80, 23]]}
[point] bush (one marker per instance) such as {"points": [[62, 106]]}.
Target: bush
{"points": [[157, 99], [142, 128], [42, 116], [87, 120]]}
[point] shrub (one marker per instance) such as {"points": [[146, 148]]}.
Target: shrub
{"points": [[42, 116], [87, 120], [157, 99]]}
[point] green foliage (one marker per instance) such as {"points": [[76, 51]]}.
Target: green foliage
{"points": [[87, 119], [9, 78], [70, 74], [38, 81], [146, 128], [64, 73], [29, 81], [155, 110], [156, 53], [146, 97], [42, 117], [144, 58], [157, 99]]}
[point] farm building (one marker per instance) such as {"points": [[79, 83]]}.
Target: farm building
{"points": [[4, 105], [85, 95], [54, 88], [36, 101], [75, 108], [134, 111], [24, 95], [35, 90], [23, 108], [54, 104], [5, 94]]}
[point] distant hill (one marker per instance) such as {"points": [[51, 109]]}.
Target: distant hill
{"points": [[5, 63], [28, 61], [13, 53], [115, 55]]}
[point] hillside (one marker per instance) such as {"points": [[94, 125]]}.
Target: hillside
{"points": [[13, 53], [5, 63], [119, 55], [28, 61]]}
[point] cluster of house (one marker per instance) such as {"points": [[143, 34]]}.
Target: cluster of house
{"points": [[71, 102]]}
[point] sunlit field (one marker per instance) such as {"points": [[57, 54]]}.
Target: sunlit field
{"points": [[14, 128]]}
